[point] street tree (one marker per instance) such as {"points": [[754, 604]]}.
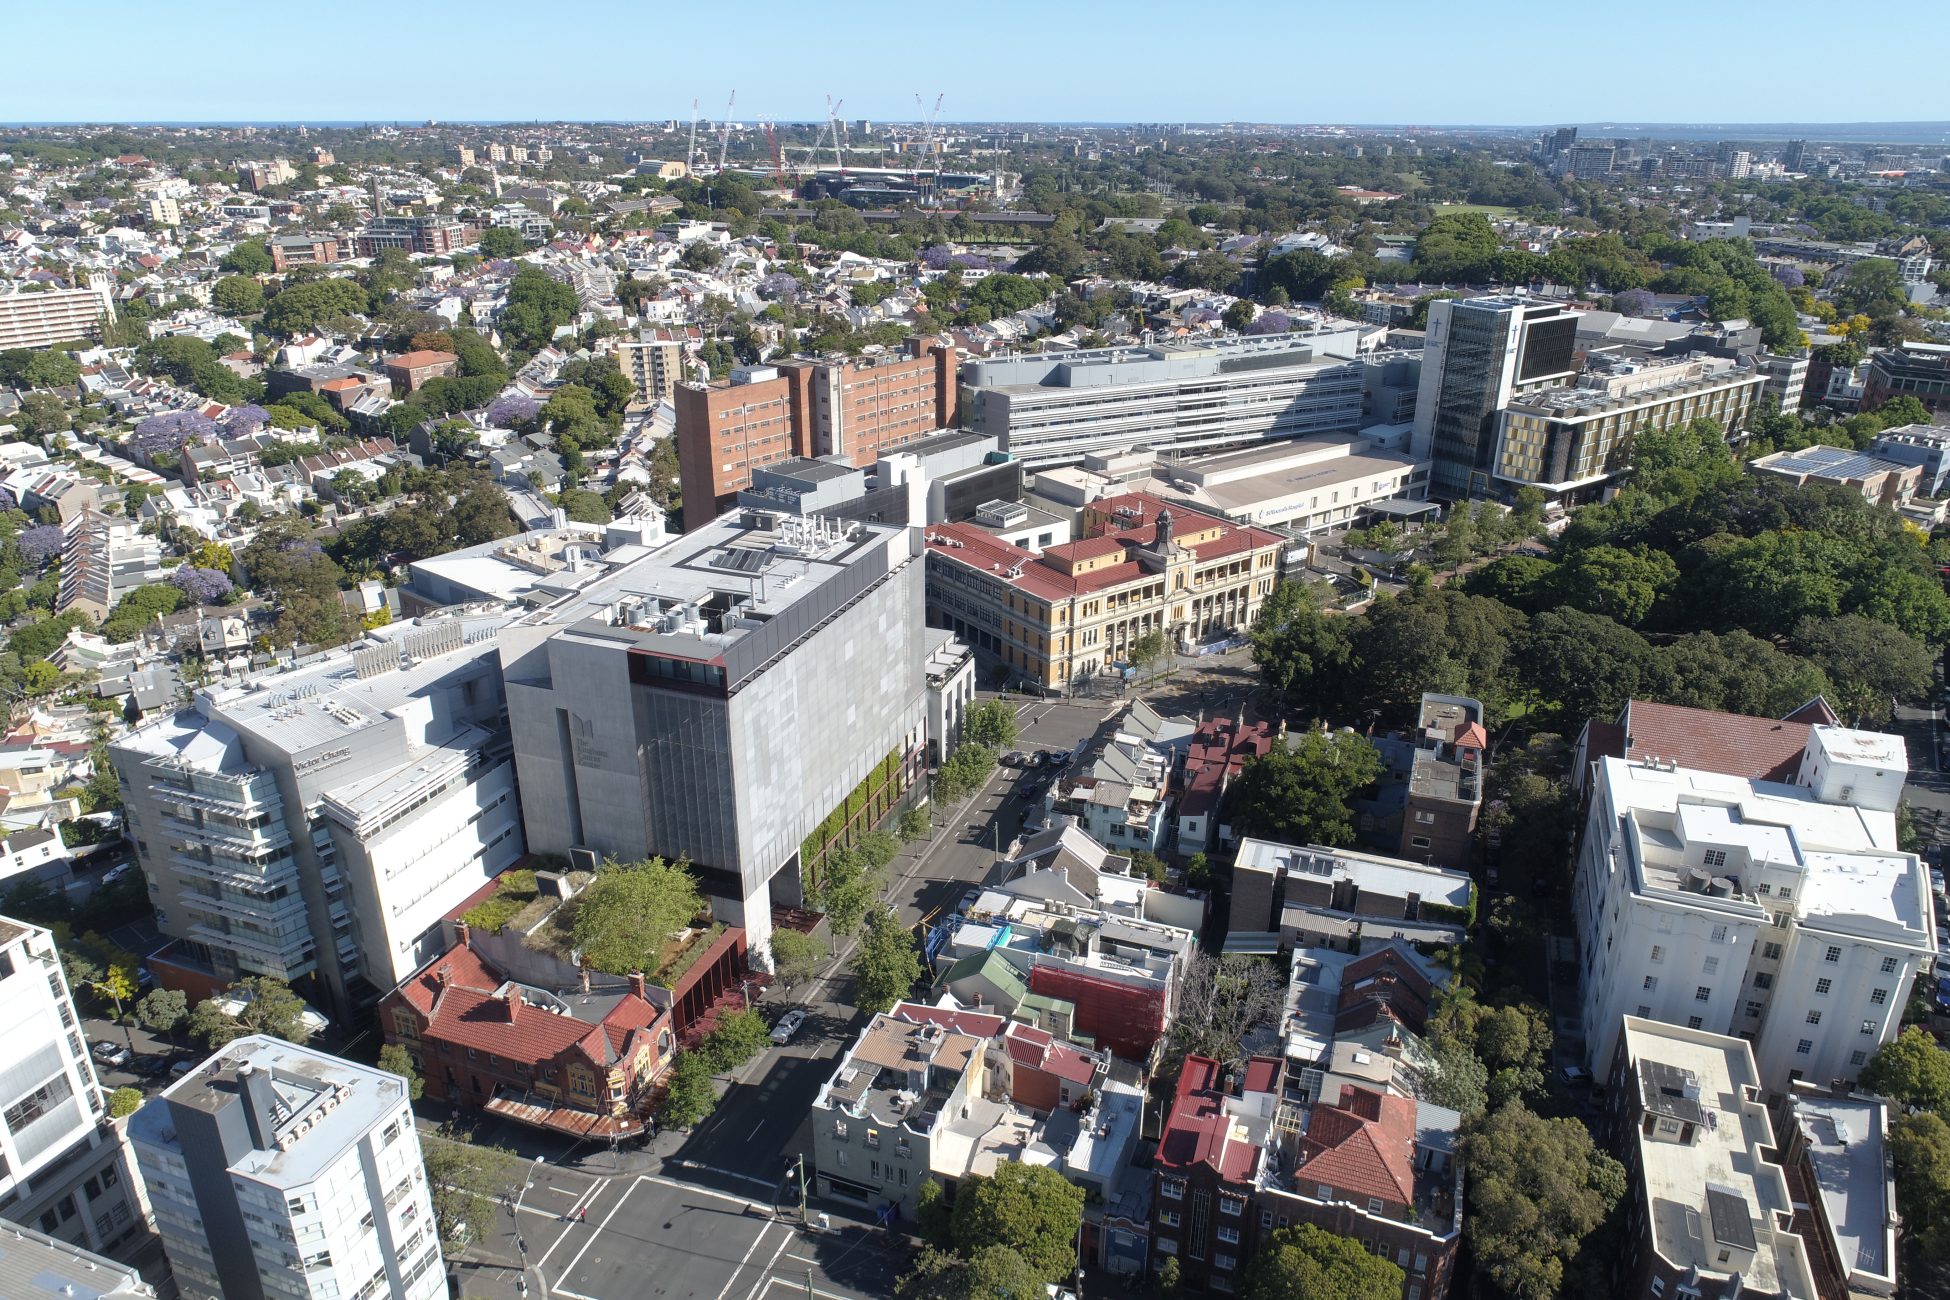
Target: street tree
{"points": [[464, 1181], [1030, 1208], [991, 1273], [1920, 1146], [1912, 1070], [690, 1095], [990, 723], [164, 1011], [269, 1007], [1870, 663], [1305, 1262], [849, 885], [395, 1059], [885, 966], [796, 956]]}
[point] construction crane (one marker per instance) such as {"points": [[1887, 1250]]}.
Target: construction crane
{"points": [[724, 134], [833, 122], [690, 157]]}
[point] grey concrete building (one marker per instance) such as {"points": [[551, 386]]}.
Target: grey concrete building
{"points": [[282, 1173], [316, 825], [1054, 408], [716, 700]]}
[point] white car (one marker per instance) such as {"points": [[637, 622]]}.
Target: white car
{"points": [[788, 1025]]}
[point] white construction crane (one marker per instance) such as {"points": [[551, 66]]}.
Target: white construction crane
{"points": [[724, 134], [690, 156], [833, 124]]}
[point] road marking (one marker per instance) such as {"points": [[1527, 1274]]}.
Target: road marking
{"points": [[755, 1128], [722, 1173], [732, 1280], [766, 1276], [800, 1288], [601, 1228], [706, 1191]]}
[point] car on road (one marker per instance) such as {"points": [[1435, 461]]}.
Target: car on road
{"points": [[114, 874], [1575, 1075], [150, 1067], [113, 1055], [788, 1025], [1054, 757], [1015, 758], [1030, 789]]}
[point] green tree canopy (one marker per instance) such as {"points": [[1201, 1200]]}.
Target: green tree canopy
{"points": [[395, 1059], [465, 1181], [1911, 1070], [885, 965], [1300, 791], [626, 916], [237, 295], [992, 1273], [1030, 1208], [991, 723], [1307, 1263], [270, 1007], [248, 257], [1537, 1187], [1870, 664]]}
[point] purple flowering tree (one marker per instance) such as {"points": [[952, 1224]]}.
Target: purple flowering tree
{"points": [[511, 409], [172, 431], [240, 420], [39, 545], [1790, 276], [1635, 302], [971, 262], [1270, 322], [202, 586], [779, 287], [937, 257]]}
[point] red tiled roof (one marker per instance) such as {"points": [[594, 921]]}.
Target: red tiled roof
{"points": [[1362, 1147], [975, 1024], [1705, 740], [1041, 1050], [417, 360], [468, 1010], [1198, 1131], [1262, 1074], [1090, 548]]}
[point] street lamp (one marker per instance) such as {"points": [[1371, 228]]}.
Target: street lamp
{"points": [[796, 1173]]}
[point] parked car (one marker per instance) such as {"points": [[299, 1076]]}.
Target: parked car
{"points": [[1014, 758], [181, 1068], [1575, 1075], [968, 900], [150, 1067], [1031, 789], [114, 874], [113, 1055], [787, 1026]]}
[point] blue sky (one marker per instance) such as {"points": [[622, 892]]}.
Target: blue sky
{"points": [[1398, 61]]}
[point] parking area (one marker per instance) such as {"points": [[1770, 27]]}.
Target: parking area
{"points": [[652, 1236]]}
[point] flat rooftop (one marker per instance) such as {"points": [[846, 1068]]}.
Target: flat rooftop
{"points": [[325, 1106], [1159, 362], [1716, 1191], [1395, 877], [736, 592], [1849, 1159]]}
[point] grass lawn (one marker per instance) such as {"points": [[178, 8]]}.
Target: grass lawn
{"points": [[1487, 209]]}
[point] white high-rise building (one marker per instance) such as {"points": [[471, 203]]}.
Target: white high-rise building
{"points": [[1775, 907], [63, 1166], [277, 1171]]}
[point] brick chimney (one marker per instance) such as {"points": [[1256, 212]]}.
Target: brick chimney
{"points": [[462, 933], [514, 1005], [636, 984], [444, 976]]}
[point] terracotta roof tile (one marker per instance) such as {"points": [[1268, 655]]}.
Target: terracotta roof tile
{"points": [[1759, 749], [1362, 1147]]}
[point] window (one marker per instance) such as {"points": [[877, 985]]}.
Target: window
{"points": [[1419, 841], [1712, 966], [1374, 1205], [1693, 1022], [1166, 1246], [1754, 1009], [1232, 1205], [1170, 1218], [1225, 1261], [1658, 1286], [1763, 980], [1878, 997], [1651, 983], [1823, 985], [1814, 1017], [1425, 817], [1803, 1047], [1702, 994], [1228, 1234], [1716, 857], [1833, 955], [1868, 1026], [1719, 934], [1857, 1058], [1644, 1012], [1172, 1189], [1658, 952], [1888, 965], [1763, 889], [1421, 1262], [1266, 1220]]}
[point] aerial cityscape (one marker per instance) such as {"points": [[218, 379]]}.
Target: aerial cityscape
{"points": [[1021, 656]]}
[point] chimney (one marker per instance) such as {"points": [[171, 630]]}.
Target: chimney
{"points": [[636, 984], [582, 973], [514, 1005], [260, 1105], [445, 975], [462, 933]]}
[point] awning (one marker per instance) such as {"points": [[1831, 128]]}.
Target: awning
{"points": [[1402, 508]]}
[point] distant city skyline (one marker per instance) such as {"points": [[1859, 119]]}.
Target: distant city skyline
{"points": [[1499, 63]]}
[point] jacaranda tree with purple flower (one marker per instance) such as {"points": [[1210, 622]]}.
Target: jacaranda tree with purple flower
{"points": [[1790, 276], [1635, 302], [937, 257], [202, 586], [172, 431], [779, 287], [240, 420], [39, 545], [512, 409], [1270, 322]]}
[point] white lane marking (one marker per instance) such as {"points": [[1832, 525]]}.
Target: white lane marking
{"points": [[733, 1279], [766, 1275]]}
